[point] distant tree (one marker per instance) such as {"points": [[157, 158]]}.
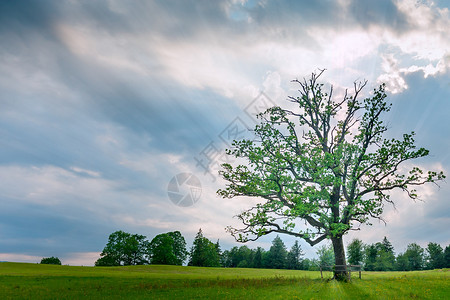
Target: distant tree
{"points": [[225, 259], [414, 253], [124, 249], [234, 257], [325, 255], [355, 252], [306, 263], [447, 257], [295, 257], [168, 249], [107, 261], [241, 257], [258, 258], [243, 264], [386, 246], [310, 264], [203, 252], [435, 256], [370, 257], [219, 251], [50, 261], [326, 162], [266, 260], [277, 254], [246, 254], [385, 260], [401, 263]]}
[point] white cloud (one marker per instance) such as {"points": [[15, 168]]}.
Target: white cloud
{"points": [[428, 36], [392, 76], [80, 258], [85, 171], [16, 257], [424, 47]]}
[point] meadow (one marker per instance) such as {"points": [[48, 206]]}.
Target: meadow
{"points": [[35, 281]]}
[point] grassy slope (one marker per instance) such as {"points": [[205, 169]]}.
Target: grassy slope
{"points": [[32, 281]]}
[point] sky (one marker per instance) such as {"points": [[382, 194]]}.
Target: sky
{"points": [[104, 103]]}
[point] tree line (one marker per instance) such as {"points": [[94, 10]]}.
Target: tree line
{"points": [[169, 248], [381, 256]]}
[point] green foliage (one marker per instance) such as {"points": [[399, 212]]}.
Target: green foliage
{"points": [[379, 256], [234, 257], [385, 260], [168, 249], [245, 254], [310, 264], [401, 263], [107, 261], [204, 253], [355, 252], [276, 256], [415, 255], [385, 246], [124, 249], [225, 260], [326, 162], [295, 257], [412, 259], [447, 257], [370, 257], [435, 256], [258, 258], [51, 261], [325, 255]]}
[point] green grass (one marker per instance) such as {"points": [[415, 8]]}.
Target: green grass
{"points": [[33, 281]]}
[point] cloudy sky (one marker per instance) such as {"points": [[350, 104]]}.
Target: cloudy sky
{"points": [[102, 103]]}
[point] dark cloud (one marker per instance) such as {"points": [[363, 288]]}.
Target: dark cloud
{"points": [[26, 15], [381, 12], [286, 18], [293, 13], [163, 112], [38, 230]]}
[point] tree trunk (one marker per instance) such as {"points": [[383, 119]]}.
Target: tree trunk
{"points": [[340, 271]]}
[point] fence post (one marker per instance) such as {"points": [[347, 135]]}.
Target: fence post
{"points": [[349, 272]]}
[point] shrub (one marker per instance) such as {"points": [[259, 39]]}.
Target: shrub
{"points": [[51, 261]]}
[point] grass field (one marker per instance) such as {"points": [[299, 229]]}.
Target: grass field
{"points": [[33, 281]]}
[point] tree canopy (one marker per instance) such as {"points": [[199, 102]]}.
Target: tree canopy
{"points": [[435, 256], [51, 261], [325, 162], [325, 255], [168, 249], [204, 253], [276, 257], [355, 252], [124, 249], [294, 257]]}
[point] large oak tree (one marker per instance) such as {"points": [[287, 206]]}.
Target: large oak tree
{"points": [[326, 163]]}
